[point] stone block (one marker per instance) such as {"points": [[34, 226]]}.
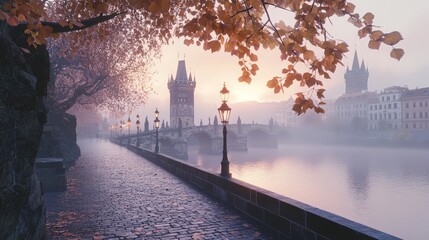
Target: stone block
{"points": [[267, 202], [277, 223], [51, 173], [292, 213]]}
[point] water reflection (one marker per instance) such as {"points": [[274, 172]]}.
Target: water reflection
{"points": [[385, 188]]}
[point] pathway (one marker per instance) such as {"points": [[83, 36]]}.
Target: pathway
{"points": [[114, 194]]}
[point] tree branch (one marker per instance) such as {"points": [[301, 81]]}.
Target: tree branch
{"points": [[57, 28]]}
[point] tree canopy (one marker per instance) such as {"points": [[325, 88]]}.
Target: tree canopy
{"points": [[299, 35]]}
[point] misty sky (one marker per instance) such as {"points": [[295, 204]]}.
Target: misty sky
{"points": [[211, 70]]}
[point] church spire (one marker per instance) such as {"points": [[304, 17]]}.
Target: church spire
{"points": [[355, 65], [181, 74], [362, 66]]}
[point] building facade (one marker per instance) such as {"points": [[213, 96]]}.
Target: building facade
{"points": [[386, 113], [182, 89], [352, 109], [415, 109]]}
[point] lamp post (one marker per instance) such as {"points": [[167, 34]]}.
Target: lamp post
{"points": [[116, 131], [224, 113], [121, 123], [156, 121], [129, 128], [138, 129]]}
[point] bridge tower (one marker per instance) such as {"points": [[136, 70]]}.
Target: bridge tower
{"points": [[181, 97], [357, 77]]}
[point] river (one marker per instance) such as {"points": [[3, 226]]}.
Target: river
{"points": [[384, 188]]}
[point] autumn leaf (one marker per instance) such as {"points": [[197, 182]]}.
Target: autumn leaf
{"points": [[253, 57], [13, 21], [22, 18], [320, 93], [368, 17], [374, 44], [392, 38], [273, 82], [376, 35], [397, 53]]}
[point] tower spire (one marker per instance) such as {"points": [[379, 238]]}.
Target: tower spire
{"points": [[355, 65]]}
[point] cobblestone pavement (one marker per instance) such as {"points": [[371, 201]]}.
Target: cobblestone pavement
{"points": [[114, 194]]}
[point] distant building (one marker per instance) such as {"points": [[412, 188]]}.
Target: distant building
{"points": [[415, 108], [182, 90], [352, 109], [386, 113], [357, 77], [284, 116]]}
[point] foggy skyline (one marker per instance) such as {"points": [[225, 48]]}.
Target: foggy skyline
{"points": [[212, 69]]}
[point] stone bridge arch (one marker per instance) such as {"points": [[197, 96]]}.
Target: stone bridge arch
{"points": [[202, 138]]}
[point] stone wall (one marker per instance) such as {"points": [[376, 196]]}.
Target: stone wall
{"points": [[285, 218], [22, 212]]}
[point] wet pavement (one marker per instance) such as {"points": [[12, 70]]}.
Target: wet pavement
{"points": [[114, 194]]}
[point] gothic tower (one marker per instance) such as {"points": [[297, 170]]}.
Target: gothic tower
{"points": [[357, 77], [181, 97]]}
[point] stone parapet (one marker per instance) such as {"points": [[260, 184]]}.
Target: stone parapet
{"points": [[286, 218]]}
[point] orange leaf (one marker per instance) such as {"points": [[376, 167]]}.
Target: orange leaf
{"points": [[273, 82], [373, 44], [368, 17], [397, 53], [21, 17], [392, 38], [13, 21], [253, 57], [376, 35]]}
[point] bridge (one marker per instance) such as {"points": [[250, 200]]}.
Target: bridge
{"points": [[175, 141]]}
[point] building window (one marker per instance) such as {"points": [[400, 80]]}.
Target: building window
{"points": [[407, 115], [426, 114], [382, 99], [390, 106], [395, 105], [394, 97], [414, 104], [406, 105], [421, 104], [370, 107], [388, 98], [421, 114], [426, 104], [395, 115], [414, 125], [414, 115], [390, 116]]}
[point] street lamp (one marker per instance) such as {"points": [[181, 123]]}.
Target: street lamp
{"points": [[116, 130], [224, 113], [138, 129], [129, 128], [156, 121], [121, 123]]}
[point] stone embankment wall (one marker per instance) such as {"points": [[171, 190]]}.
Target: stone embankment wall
{"points": [[284, 217], [22, 211]]}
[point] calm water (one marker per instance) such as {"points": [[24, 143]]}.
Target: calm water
{"points": [[385, 188]]}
